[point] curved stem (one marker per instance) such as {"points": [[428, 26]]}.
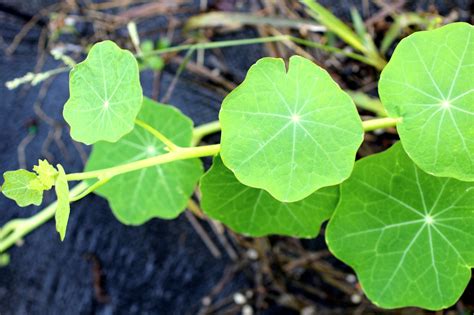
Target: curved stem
{"points": [[13, 231], [204, 130], [90, 189], [179, 154], [171, 146]]}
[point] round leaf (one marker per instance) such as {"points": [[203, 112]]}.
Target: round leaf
{"points": [[159, 191], [105, 95], [255, 212], [429, 83], [289, 133], [408, 235]]}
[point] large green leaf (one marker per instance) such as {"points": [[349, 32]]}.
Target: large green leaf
{"points": [[105, 95], [255, 212], [159, 191], [63, 207], [429, 83], [24, 187], [289, 133], [408, 235]]}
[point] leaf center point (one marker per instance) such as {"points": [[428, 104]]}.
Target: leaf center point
{"points": [[151, 150], [445, 104], [429, 219], [295, 118], [106, 104]]}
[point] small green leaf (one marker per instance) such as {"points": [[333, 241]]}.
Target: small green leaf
{"points": [[429, 83], [159, 191], [289, 133], [105, 95], [46, 173], [24, 187], [63, 207], [255, 212], [408, 235]]}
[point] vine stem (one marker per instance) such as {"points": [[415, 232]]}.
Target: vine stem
{"points": [[204, 130], [196, 152], [178, 154], [16, 229], [380, 123]]}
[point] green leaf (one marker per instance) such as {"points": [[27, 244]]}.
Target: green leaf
{"points": [[24, 187], [408, 235], [255, 212], [105, 95], [63, 207], [289, 133], [46, 173], [159, 191], [429, 83]]}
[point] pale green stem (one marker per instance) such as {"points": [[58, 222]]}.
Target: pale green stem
{"points": [[171, 146], [380, 123], [90, 189], [179, 154], [368, 125], [14, 231], [204, 130]]}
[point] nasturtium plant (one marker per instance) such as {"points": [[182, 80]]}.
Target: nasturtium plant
{"points": [[23, 186], [429, 83], [254, 212], [409, 235], [105, 95], [402, 219], [289, 133], [61, 187], [158, 191]]}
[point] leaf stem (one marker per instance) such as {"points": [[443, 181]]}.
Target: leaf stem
{"points": [[204, 130], [171, 146], [178, 154], [14, 230], [89, 189], [380, 123]]}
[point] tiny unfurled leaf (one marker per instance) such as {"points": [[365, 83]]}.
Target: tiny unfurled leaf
{"points": [[429, 84], [24, 187], [408, 235], [63, 207], [46, 173], [105, 95], [289, 133], [255, 212], [159, 191]]}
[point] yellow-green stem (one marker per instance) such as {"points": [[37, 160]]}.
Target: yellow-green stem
{"points": [[179, 154]]}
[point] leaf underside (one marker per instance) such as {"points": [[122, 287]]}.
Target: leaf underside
{"points": [[105, 95], [158, 191], [254, 212], [289, 133], [408, 235], [429, 83]]}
